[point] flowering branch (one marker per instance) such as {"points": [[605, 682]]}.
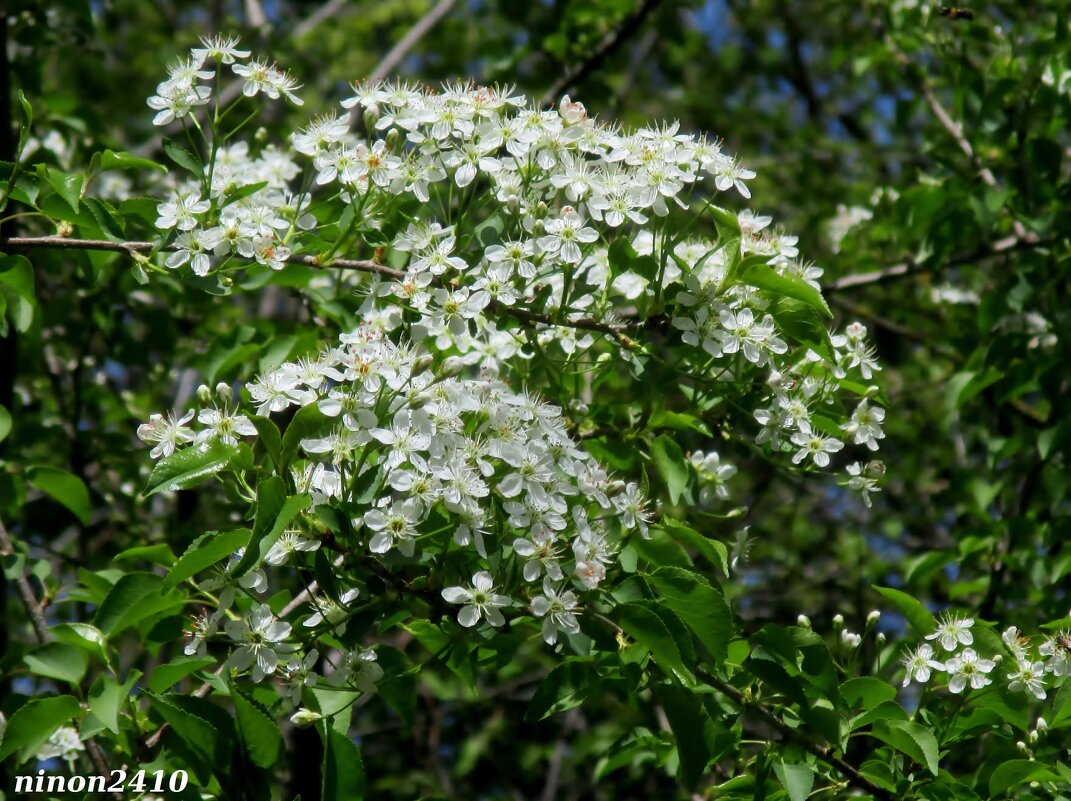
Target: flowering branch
{"points": [[613, 330]]}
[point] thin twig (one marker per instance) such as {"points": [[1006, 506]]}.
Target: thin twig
{"points": [[846, 769], [1005, 245], [609, 43], [322, 14], [400, 50], [37, 617]]}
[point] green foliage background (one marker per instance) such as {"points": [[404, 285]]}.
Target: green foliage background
{"points": [[961, 125]]}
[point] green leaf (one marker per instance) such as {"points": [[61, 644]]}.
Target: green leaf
{"points": [[196, 733], [184, 158], [918, 742], [866, 692], [121, 160], [669, 460], [261, 736], [343, 771], [159, 554], [692, 730], [802, 324], [204, 552], [59, 661], [168, 675], [5, 423], [761, 275], [67, 185], [700, 606], [713, 551], [17, 291], [1015, 772], [920, 618], [34, 722], [189, 466], [271, 439], [64, 487], [134, 598], [796, 778], [649, 631], [106, 698], [271, 521], [308, 422], [82, 635]]}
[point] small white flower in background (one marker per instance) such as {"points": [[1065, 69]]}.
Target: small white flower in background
{"points": [[952, 630], [257, 636], [850, 640], [359, 669], [299, 674], [741, 548], [481, 601], [1015, 642], [968, 668], [919, 663], [1029, 677], [223, 48], [815, 445], [863, 480], [201, 628], [559, 609], [1057, 651], [169, 432], [865, 426], [63, 743], [332, 613], [288, 544]]}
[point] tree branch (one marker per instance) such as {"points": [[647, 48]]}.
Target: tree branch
{"points": [[1006, 245], [609, 43], [37, 617], [845, 768], [395, 55]]}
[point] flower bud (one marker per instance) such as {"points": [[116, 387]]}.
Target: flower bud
{"points": [[1021, 746], [223, 389], [838, 621], [1032, 736], [64, 229], [451, 366], [261, 135], [304, 718], [204, 394], [880, 639], [392, 138], [371, 117], [803, 622], [1042, 726], [572, 113]]}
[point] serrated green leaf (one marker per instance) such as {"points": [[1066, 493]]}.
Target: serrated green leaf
{"points": [[187, 467], [343, 771], [761, 275], [271, 439], [692, 730], [259, 733], [184, 158], [57, 660], [917, 741], [106, 698], [648, 630], [1015, 772], [204, 552], [699, 605], [797, 779], [166, 676], [135, 597], [82, 635], [671, 465], [121, 160]]}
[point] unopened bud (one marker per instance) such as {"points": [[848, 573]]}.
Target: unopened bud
{"points": [[838, 621], [803, 622], [371, 117], [873, 618], [1021, 746], [304, 718], [64, 229], [1042, 726], [223, 389], [204, 394], [451, 366], [880, 639], [392, 138], [421, 364], [261, 135], [1032, 736]]}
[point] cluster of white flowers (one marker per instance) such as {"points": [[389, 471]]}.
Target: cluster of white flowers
{"points": [[712, 473], [509, 205], [424, 446], [966, 668], [64, 743]]}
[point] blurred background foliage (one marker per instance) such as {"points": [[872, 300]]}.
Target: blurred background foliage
{"points": [[919, 157]]}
